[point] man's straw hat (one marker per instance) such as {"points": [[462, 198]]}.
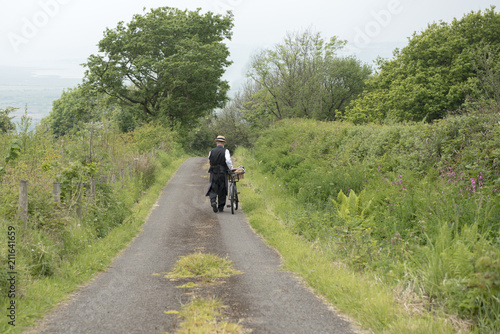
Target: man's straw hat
{"points": [[220, 139]]}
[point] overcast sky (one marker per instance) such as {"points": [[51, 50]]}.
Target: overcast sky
{"points": [[55, 36]]}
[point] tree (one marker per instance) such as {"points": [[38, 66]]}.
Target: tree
{"points": [[228, 122], [73, 107], [303, 77], [257, 107], [343, 80], [433, 74], [83, 104], [6, 120], [166, 63], [485, 60]]}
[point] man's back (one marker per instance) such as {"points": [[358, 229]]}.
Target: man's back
{"points": [[218, 156]]}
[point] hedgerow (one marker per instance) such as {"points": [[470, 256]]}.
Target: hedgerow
{"points": [[417, 203]]}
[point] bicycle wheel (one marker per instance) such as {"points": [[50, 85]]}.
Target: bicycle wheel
{"points": [[236, 201], [232, 192]]}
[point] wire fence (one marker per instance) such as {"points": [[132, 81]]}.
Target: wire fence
{"points": [[77, 194]]}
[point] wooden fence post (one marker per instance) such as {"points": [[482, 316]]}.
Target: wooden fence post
{"points": [[122, 177], [56, 192], [78, 200], [92, 187], [23, 202]]}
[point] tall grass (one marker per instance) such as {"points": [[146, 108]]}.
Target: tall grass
{"points": [[417, 204]]}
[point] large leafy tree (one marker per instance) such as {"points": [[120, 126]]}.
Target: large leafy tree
{"points": [[438, 69], [303, 77], [165, 64]]}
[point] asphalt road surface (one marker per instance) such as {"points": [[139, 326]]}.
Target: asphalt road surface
{"points": [[132, 295]]}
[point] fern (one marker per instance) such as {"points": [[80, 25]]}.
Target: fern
{"points": [[352, 205]]}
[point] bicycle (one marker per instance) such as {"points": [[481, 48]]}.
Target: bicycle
{"points": [[235, 175]]}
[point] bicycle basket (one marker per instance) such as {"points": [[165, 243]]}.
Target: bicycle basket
{"points": [[239, 174]]}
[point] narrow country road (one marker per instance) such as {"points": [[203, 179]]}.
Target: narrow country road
{"points": [[130, 297]]}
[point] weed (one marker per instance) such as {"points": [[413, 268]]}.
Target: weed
{"points": [[202, 265], [205, 315]]}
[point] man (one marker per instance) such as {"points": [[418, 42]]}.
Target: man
{"points": [[220, 164]]}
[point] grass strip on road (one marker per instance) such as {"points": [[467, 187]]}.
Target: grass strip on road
{"points": [[202, 265], [203, 314]]}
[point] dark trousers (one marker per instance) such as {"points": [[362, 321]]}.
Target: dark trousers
{"points": [[218, 190]]}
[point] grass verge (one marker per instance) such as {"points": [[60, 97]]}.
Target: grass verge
{"points": [[372, 304], [40, 296]]}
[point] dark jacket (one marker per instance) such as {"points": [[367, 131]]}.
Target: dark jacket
{"points": [[218, 160]]}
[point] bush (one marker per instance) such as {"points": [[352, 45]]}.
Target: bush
{"points": [[434, 212], [146, 168], [153, 135], [107, 211]]}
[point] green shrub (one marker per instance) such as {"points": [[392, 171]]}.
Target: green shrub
{"points": [[107, 212], [419, 204], [146, 167], [153, 135]]}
